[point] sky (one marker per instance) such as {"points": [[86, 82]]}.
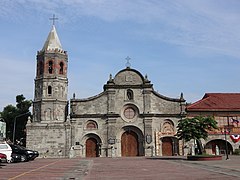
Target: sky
{"points": [[188, 46]]}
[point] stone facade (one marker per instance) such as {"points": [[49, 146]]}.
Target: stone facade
{"points": [[129, 105], [128, 118]]}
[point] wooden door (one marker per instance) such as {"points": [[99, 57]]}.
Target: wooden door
{"points": [[167, 146], [91, 148], [129, 144]]}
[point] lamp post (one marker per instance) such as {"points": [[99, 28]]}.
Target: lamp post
{"points": [[226, 130], [226, 146], [14, 124]]}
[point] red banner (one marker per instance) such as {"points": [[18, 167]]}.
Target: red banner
{"points": [[235, 138]]}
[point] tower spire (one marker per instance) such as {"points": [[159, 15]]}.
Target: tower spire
{"points": [[52, 41]]}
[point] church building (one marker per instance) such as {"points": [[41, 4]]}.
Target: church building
{"points": [[129, 118]]}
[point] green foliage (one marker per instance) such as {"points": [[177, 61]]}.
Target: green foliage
{"points": [[195, 128], [8, 114], [23, 105], [20, 113]]}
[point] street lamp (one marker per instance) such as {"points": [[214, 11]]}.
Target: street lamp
{"points": [[226, 143], [14, 124]]}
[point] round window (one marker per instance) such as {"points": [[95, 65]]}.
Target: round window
{"points": [[129, 113]]}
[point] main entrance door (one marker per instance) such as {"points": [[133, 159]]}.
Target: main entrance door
{"points": [[129, 144], [91, 148], [167, 146]]}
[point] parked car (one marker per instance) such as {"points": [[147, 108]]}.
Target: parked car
{"points": [[35, 153], [3, 157], [26, 154], [7, 150], [16, 157]]}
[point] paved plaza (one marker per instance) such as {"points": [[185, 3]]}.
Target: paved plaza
{"points": [[140, 168]]}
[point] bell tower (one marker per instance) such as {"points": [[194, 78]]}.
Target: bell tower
{"points": [[51, 82], [49, 131]]}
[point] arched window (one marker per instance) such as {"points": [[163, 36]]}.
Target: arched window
{"points": [[91, 125], [129, 94], [49, 90], [50, 67], [61, 68]]}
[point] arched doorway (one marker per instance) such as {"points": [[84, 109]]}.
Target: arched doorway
{"points": [[129, 144], [92, 148], [169, 146], [221, 144]]}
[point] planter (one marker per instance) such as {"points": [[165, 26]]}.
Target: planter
{"points": [[204, 158]]}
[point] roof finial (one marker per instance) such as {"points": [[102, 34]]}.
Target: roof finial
{"points": [[128, 64], [53, 19]]}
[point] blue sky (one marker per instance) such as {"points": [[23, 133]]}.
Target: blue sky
{"points": [[183, 46]]}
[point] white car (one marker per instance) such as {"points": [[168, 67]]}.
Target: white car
{"points": [[7, 150]]}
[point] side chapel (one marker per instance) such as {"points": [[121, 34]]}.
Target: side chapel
{"points": [[129, 118]]}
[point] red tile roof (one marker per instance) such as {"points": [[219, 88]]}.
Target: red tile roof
{"points": [[217, 102]]}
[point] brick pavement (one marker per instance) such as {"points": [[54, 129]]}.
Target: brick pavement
{"points": [[45, 169], [140, 168], [158, 168]]}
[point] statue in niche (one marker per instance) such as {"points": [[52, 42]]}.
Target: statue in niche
{"points": [[129, 94]]}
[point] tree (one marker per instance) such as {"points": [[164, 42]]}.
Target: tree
{"points": [[20, 113], [196, 128]]}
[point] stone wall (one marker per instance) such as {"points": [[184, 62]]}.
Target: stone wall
{"points": [[50, 140]]}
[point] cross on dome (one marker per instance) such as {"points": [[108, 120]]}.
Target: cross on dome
{"points": [[128, 64]]}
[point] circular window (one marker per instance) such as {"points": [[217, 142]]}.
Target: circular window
{"points": [[129, 113]]}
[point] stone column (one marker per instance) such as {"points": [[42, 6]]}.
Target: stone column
{"points": [[147, 101], [111, 101], [111, 135], [149, 137]]}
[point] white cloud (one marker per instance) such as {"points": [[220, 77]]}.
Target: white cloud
{"points": [[200, 24], [212, 25], [198, 27]]}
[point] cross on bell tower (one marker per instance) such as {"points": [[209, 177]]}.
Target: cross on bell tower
{"points": [[53, 19]]}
